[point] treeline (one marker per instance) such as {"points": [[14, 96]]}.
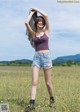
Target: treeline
{"points": [[14, 63], [67, 63]]}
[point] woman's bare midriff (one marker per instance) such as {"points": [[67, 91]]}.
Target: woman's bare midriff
{"points": [[43, 51]]}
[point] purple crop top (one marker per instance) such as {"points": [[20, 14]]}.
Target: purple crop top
{"points": [[41, 43]]}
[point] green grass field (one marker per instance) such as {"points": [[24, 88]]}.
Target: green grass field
{"points": [[15, 85]]}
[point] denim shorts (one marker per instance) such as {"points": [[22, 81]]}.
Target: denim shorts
{"points": [[42, 60]]}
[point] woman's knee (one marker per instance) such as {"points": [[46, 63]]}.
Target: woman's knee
{"points": [[48, 83], [34, 83]]}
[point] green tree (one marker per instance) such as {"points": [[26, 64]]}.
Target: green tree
{"points": [[69, 63]]}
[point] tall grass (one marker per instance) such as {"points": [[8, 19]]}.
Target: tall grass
{"points": [[15, 86]]}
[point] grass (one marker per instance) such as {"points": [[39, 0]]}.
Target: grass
{"points": [[15, 85]]}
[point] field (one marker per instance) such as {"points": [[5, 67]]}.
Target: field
{"points": [[15, 85]]}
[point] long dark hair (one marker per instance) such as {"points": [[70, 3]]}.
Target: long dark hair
{"points": [[39, 18]]}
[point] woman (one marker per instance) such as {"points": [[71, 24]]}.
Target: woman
{"points": [[42, 57]]}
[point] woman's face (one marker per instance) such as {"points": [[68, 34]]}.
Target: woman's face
{"points": [[40, 24]]}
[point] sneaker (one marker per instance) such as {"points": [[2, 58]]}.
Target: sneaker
{"points": [[29, 108]]}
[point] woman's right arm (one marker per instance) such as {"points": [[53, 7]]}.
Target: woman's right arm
{"points": [[27, 24]]}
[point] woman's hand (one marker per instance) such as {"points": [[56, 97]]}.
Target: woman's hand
{"points": [[34, 9], [39, 11]]}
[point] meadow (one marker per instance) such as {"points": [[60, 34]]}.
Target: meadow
{"points": [[15, 86]]}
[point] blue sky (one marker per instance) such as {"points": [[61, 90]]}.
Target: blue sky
{"points": [[64, 20]]}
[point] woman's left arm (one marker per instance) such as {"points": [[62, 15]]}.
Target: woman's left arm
{"points": [[46, 19]]}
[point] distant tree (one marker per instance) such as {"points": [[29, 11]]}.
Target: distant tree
{"points": [[69, 63]]}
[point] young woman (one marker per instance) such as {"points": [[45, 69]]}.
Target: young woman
{"points": [[42, 57]]}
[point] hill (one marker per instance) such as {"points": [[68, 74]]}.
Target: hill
{"points": [[18, 61], [74, 58]]}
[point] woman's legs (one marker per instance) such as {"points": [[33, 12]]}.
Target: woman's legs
{"points": [[47, 75], [35, 75]]}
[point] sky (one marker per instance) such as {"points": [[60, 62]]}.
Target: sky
{"points": [[64, 18]]}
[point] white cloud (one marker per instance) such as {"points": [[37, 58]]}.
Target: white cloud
{"points": [[65, 20], [64, 46]]}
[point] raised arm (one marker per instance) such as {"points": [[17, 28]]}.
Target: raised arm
{"points": [[27, 24], [47, 29]]}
